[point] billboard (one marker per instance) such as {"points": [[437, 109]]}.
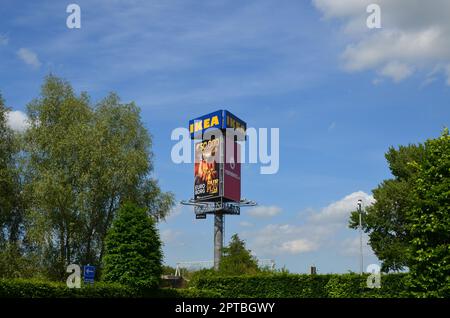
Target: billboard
{"points": [[217, 164], [232, 171], [207, 169]]}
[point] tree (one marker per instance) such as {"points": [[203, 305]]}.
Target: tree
{"points": [[83, 162], [55, 144], [133, 249], [430, 221], [12, 202], [386, 220], [11, 209], [237, 260]]}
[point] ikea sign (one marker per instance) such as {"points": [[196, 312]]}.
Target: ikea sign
{"points": [[221, 119]]}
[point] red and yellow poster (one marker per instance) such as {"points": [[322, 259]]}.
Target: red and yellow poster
{"points": [[207, 169]]}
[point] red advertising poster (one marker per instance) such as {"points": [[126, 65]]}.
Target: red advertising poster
{"points": [[232, 171], [206, 169]]}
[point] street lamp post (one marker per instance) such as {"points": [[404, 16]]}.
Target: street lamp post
{"points": [[360, 236]]}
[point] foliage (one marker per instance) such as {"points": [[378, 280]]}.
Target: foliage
{"points": [[409, 223], [63, 180], [133, 250], [245, 286], [301, 286], [168, 270], [430, 221], [345, 286], [32, 288], [14, 264], [11, 186], [386, 220], [236, 259]]}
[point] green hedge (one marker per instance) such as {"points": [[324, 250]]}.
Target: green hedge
{"points": [[355, 286], [29, 288], [301, 286], [210, 285]]}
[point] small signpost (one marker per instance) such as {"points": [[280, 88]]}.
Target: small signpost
{"points": [[89, 274]]}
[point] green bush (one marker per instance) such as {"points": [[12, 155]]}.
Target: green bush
{"points": [[429, 221], [346, 286], [300, 286], [30, 288], [213, 286], [133, 249], [237, 260]]}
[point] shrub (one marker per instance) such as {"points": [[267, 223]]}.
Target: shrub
{"points": [[237, 260], [430, 220], [133, 250], [30, 288], [299, 285], [210, 286]]}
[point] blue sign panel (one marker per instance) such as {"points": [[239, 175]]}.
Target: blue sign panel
{"points": [[89, 273], [198, 126], [220, 119], [232, 121]]}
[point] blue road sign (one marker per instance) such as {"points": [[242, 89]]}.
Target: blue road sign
{"points": [[89, 273]]}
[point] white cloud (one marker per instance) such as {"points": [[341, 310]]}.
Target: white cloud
{"points": [[176, 211], [377, 81], [3, 39], [264, 211], [332, 8], [351, 246], [332, 126], [339, 211], [169, 235], [180, 38], [270, 239], [318, 229], [447, 70], [245, 224], [413, 36], [17, 120], [29, 57], [397, 71], [299, 246]]}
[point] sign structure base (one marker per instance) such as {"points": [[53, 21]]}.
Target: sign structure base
{"points": [[219, 209], [218, 238]]}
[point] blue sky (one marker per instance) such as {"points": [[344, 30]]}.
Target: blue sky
{"points": [[340, 93]]}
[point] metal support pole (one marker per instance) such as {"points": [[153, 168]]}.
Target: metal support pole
{"points": [[361, 261], [360, 244], [218, 238]]}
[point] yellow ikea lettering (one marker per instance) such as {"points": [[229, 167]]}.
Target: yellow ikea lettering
{"points": [[206, 123], [214, 121], [198, 125]]}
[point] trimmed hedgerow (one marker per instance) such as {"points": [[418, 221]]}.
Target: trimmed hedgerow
{"points": [[213, 286], [301, 286], [29, 288]]}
